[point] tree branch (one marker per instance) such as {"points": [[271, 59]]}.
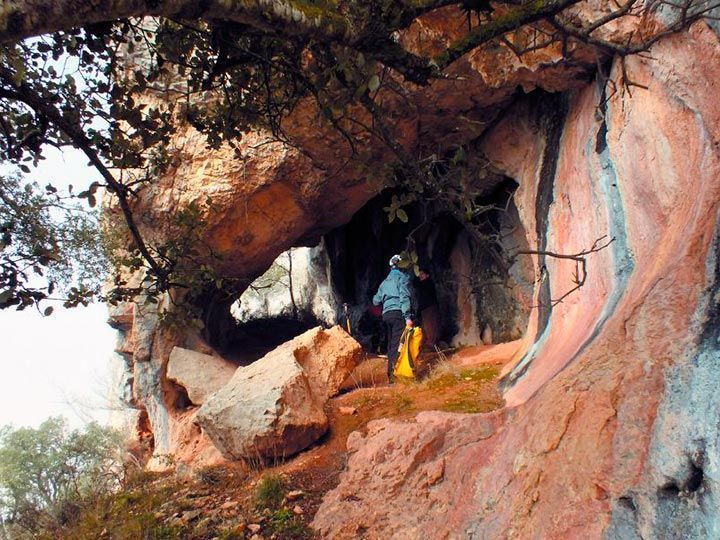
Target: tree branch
{"points": [[26, 94], [499, 25]]}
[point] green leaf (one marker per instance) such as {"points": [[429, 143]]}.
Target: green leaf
{"points": [[374, 83], [459, 156], [360, 91], [48, 311], [402, 215]]}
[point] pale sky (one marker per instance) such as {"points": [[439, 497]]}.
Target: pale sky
{"points": [[61, 364]]}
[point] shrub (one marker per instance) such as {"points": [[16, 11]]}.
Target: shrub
{"points": [[49, 473]]}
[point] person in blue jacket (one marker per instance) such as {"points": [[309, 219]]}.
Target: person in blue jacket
{"points": [[395, 296]]}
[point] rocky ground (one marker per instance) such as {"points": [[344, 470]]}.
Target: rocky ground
{"points": [[280, 501]]}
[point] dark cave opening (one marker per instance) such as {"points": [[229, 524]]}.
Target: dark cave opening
{"points": [[474, 292], [253, 339], [244, 342], [471, 291]]}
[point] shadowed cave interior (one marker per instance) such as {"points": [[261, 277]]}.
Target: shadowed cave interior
{"points": [[348, 264]]}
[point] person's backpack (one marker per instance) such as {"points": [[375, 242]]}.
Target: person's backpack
{"points": [[410, 343]]}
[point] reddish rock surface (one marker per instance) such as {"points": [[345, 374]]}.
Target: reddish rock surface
{"points": [[609, 429], [277, 196]]}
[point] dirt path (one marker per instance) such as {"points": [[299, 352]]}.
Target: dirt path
{"points": [[464, 382]]}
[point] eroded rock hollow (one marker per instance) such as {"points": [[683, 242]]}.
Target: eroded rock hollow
{"points": [[610, 425]]}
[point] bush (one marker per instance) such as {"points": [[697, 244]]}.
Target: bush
{"points": [[48, 474]]}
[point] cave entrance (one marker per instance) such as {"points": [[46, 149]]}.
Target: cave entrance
{"points": [[245, 338], [473, 291], [270, 312], [310, 286]]}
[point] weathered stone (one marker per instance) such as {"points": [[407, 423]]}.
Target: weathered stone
{"points": [[327, 357], [282, 195], [267, 410], [612, 430], [274, 407], [200, 374], [421, 452], [294, 494]]}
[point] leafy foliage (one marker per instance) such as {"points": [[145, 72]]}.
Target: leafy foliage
{"points": [[118, 90], [49, 246], [47, 474]]}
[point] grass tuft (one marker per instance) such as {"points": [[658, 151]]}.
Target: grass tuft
{"points": [[284, 524], [482, 374], [270, 492]]}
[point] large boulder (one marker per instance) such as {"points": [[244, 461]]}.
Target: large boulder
{"points": [[274, 407], [327, 358], [200, 374], [400, 497]]}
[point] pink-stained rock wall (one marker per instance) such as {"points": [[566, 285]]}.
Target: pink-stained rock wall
{"points": [[610, 428], [274, 196]]}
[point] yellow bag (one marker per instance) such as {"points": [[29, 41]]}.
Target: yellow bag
{"points": [[410, 343]]}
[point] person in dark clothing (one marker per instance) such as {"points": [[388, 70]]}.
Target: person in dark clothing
{"points": [[394, 294], [427, 305]]}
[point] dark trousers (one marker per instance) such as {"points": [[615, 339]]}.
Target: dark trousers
{"points": [[395, 324]]}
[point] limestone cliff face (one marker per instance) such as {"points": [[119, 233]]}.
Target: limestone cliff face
{"points": [[611, 419], [274, 196], [611, 426]]}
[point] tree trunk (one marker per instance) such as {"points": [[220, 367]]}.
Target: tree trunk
{"points": [[290, 285]]}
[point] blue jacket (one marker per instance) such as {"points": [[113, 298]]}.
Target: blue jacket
{"points": [[394, 293]]}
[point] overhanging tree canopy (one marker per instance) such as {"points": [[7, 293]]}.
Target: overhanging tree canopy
{"points": [[78, 74]]}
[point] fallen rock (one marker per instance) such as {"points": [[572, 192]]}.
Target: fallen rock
{"points": [[349, 411], [327, 357], [274, 407], [254, 528], [267, 410], [200, 374], [294, 494], [297, 510]]}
